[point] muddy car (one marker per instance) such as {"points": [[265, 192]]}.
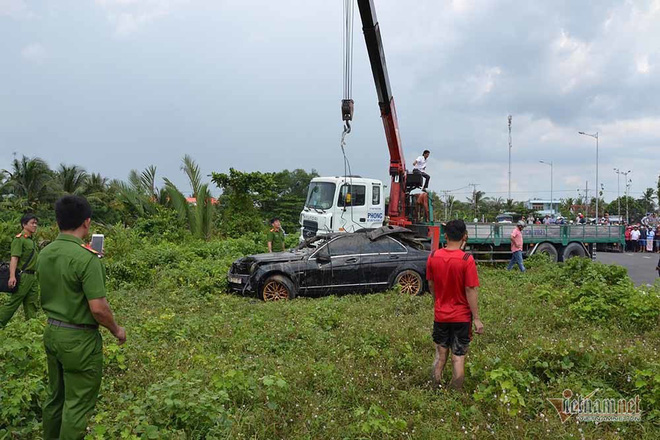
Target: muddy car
{"points": [[363, 261]]}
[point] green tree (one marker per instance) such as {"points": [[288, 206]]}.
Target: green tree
{"points": [[286, 198], [30, 179], [477, 202], [198, 215], [71, 179], [647, 199], [242, 197], [96, 184]]}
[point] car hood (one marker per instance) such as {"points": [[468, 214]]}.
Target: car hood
{"points": [[276, 257]]}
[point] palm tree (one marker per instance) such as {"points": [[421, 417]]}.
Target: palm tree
{"points": [[96, 183], [647, 199], [476, 200], [72, 179], [32, 179], [198, 216], [566, 205]]}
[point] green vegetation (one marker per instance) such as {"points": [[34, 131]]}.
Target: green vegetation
{"points": [[201, 363]]}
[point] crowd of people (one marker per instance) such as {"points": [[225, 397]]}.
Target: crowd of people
{"points": [[642, 238]]}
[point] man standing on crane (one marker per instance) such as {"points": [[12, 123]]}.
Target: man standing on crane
{"points": [[420, 168]]}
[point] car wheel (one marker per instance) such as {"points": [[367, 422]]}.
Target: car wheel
{"points": [[277, 288], [410, 282]]}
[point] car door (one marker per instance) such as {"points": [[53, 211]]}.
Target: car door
{"points": [[346, 255], [315, 279], [381, 261]]}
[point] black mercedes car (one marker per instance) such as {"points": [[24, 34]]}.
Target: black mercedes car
{"points": [[363, 261]]}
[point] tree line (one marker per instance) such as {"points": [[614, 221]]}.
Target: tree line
{"points": [[247, 201]]}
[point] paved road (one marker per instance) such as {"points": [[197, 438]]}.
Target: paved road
{"points": [[641, 266]]}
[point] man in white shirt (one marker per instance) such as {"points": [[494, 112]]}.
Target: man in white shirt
{"points": [[420, 168], [634, 237]]}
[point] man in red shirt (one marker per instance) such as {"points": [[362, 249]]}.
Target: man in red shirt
{"points": [[453, 279]]}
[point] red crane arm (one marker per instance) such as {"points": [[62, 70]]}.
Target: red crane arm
{"points": [[372, 38]]}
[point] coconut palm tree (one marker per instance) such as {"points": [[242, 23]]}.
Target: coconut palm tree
{"points": [[31, 179], [96, 183], [647, 199], [198, 215], [72, 179]]}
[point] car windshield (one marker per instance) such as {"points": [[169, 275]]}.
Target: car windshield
{"points": [[321, 195]]}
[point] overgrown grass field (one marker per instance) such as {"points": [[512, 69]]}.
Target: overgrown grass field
{"points": [[203, 364]]}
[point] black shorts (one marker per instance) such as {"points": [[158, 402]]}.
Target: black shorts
{"points": [[454, 335]]}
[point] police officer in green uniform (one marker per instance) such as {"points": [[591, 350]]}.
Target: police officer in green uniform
{"points": [[275, 237], [23, 261], [72, 281]]}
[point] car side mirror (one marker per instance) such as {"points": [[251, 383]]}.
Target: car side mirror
{"points": [[323, 259]]}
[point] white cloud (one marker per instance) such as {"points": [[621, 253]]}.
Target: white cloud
{"points": [[13, 8], [34, 53], [128, 16], [643, 64]]}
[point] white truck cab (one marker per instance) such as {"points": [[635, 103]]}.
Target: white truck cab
{"points": [[342, 204]]}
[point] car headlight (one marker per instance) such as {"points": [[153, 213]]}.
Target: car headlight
{"points": [[253, 267]]}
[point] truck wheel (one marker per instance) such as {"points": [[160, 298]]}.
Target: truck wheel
{"points": [[277, 288], [573, 250], [411, 282], [549, 250]]}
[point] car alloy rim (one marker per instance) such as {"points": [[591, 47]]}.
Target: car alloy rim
{"points": [[409, 284], [275, 291]]}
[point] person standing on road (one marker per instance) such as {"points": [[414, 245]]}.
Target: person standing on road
{"points": [[24, 255], [649, 240], [634, 238], [517, 247], [275, 237], [420, 168], [626, 235], [72, 281], [453, 280], [642, 239]]}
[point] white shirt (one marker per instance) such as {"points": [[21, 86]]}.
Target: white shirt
{"points": [[420, 163], [634, 235]]}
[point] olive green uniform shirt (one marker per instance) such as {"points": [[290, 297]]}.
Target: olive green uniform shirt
{"points": [[277, 239], [22, 247], [69, 275]]}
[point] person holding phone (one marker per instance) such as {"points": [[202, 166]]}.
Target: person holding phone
{"points": [[24, 255], [72, 280]]}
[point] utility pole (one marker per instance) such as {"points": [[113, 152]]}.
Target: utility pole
{"points": [[510, 147], [628, 183], [474, 196], [586, 198], [552, 200], [595, 136]]}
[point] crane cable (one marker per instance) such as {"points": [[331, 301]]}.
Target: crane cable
{"points": [[347, 101], [347, 47]]}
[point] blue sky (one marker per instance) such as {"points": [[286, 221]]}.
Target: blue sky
{"points": [[119, 84]]}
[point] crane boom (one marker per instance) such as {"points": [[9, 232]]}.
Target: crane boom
{"points": [[372, 38]]}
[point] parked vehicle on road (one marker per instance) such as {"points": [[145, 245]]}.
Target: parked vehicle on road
{"points": [[364, 261]]}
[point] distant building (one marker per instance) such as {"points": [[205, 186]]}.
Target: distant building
{"points": [[542, 207], [193, 201]]}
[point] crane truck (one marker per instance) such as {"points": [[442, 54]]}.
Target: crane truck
{"points": [[349, 203]]}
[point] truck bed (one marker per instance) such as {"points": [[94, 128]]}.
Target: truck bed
{"points": [[497, 234]]}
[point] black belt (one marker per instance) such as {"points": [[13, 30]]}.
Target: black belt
{"points": [[29, 272], [56, 323]]}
